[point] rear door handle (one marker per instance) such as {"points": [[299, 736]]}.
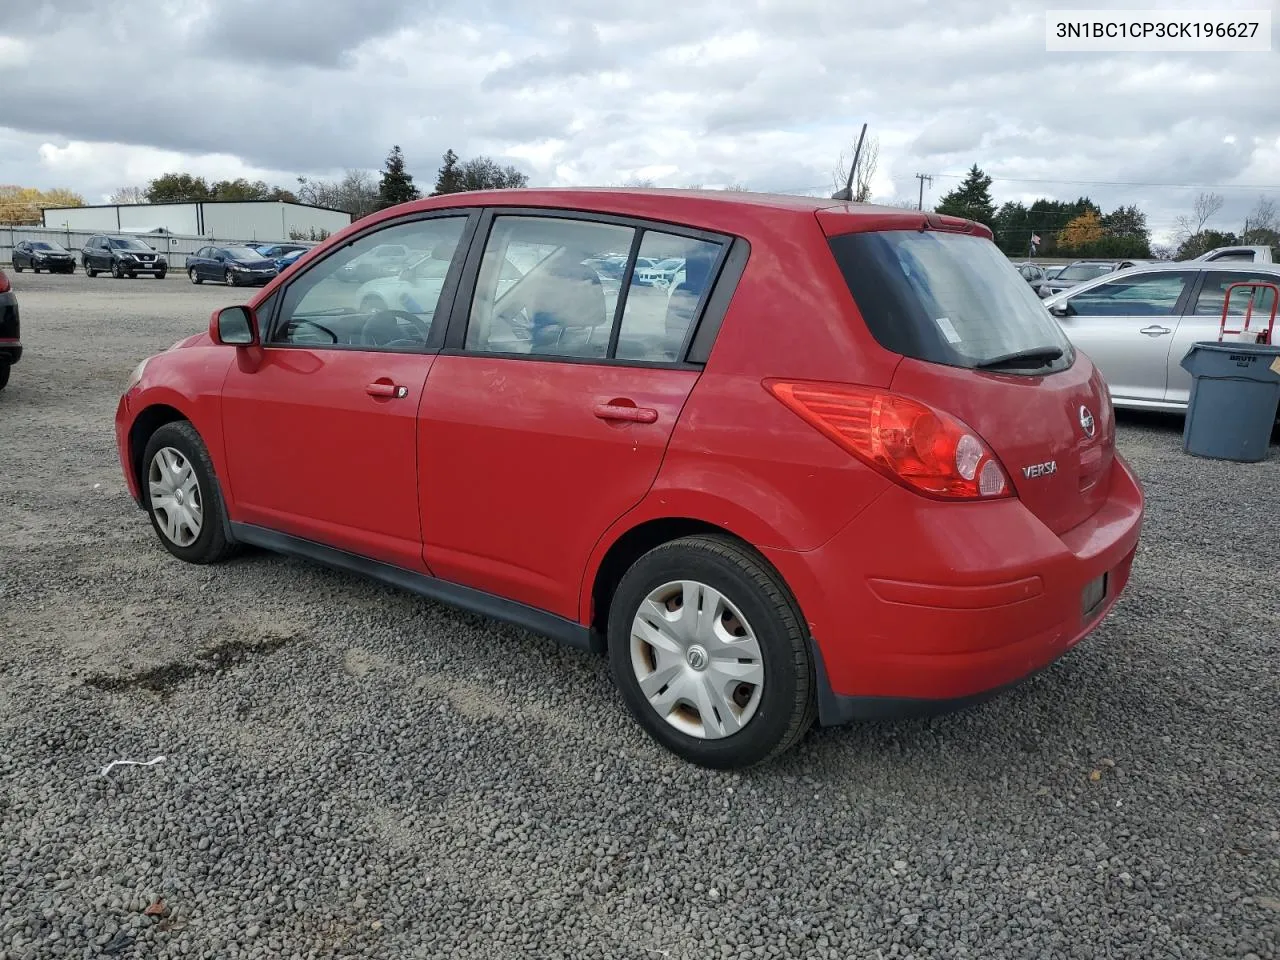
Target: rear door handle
{"points": [[1155, 331], [383, 389], [629, 413]]}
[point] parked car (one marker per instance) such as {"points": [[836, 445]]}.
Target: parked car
{"points": [[284, 261], [277, 253], [1035, 277], [905, 497], [386, 260], [10, 330], [37, 255], [122, 256], [235, 266], [420, 284], [1078, 272], [1137, 325], [1256, 254]]}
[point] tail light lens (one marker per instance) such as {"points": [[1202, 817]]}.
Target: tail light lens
{"points": [[4, 282], [924, 449]]}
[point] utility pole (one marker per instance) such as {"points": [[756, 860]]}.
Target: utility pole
{"points": [[922, 177]]}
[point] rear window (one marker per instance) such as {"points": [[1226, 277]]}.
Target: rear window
{"points": [[946, 298], [1081, 272]]}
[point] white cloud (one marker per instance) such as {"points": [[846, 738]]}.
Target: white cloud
{"points": [[765, 92]]}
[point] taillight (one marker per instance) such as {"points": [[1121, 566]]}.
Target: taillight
{"points": [[920, 447], [4, 282]]}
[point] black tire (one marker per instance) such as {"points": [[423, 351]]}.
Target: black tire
{"points": [[160, 274], [229, 278], [89, 271], [193, 276], [34, 268], [212, 544], [116, 270], [4, 375], [788, 698], [16, 268]]}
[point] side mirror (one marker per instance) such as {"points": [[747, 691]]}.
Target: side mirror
{"points": [[1061, 309], [235, 327]]}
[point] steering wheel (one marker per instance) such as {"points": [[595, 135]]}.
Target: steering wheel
{"points": [[368, 330]]}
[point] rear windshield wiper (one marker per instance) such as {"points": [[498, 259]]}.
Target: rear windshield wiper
{"points": [[1035, 357]]}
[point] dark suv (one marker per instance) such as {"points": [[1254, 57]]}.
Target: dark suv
{"points": [[123, 257]]}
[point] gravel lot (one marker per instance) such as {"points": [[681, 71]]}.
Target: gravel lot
{"points": [[353, 772]]}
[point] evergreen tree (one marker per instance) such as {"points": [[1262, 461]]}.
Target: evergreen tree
{"points": [[448, 177], [396, 185], [971, 200]]}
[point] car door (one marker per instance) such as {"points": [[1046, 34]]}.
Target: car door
{"points": [[20, 258], [547, 415], [1125, 325], [1203, 318], [320, 429]]}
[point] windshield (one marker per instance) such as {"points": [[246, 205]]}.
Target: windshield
{"points": [[128, 243], [1084, 271], [54, 247], [946, 298], [243, 253]]}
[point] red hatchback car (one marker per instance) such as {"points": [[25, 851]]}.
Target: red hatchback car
{"points": [[843, 465]]}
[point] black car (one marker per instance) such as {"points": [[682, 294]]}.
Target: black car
{"points": [[10, 341], [123, 257], [43, 255], [234, 266]]}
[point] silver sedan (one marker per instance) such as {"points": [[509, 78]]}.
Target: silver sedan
{"points": [[1137, 324]]}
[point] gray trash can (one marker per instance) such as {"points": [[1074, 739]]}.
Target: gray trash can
{"points": [[1235, 391]]}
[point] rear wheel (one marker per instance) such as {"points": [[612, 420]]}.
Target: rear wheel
{"points": [[182, 496], [710, 653]]}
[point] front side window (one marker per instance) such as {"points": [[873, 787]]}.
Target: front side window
{"points": [[1143, 295], [329, 305]]}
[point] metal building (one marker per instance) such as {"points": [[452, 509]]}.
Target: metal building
{"points": [[214, 220]]}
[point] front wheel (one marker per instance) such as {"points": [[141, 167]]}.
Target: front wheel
{"points": [[16, 268], [710, 653], [160, 274], [193, 276], [116, 271], [89, 271], [229, 278], [182, 495]]}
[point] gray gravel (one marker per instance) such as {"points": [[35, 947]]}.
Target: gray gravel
{"points": [[353, 772]]}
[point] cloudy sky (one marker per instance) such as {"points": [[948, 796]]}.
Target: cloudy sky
{"points": [[96, 95]]}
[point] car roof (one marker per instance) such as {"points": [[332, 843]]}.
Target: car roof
{"points": [[727, 211], [1169, 266]]}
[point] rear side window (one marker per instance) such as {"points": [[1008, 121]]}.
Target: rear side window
{"points": [[1213, 295], [946, 298]]}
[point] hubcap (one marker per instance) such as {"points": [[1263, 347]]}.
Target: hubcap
{"points": [[697, 660], [175, 497]]}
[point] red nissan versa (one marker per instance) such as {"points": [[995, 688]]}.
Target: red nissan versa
{"points": [[844, 465]]}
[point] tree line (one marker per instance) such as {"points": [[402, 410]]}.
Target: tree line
{"points": [[1080, 228]]}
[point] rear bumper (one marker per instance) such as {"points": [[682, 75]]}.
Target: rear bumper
{"points": [[923, 607], [10, 351]]}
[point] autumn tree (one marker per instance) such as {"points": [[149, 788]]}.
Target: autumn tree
{"points": [[23, 205], [1081, 232]]}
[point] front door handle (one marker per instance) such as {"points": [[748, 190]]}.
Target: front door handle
{"points": [[382, 388], [1155, 331], [628, 412]]}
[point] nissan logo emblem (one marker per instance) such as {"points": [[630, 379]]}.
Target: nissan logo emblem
{"points": [[1086, 422]]}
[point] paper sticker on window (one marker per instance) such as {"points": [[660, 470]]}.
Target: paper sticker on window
{"points": [[948, 331]]}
